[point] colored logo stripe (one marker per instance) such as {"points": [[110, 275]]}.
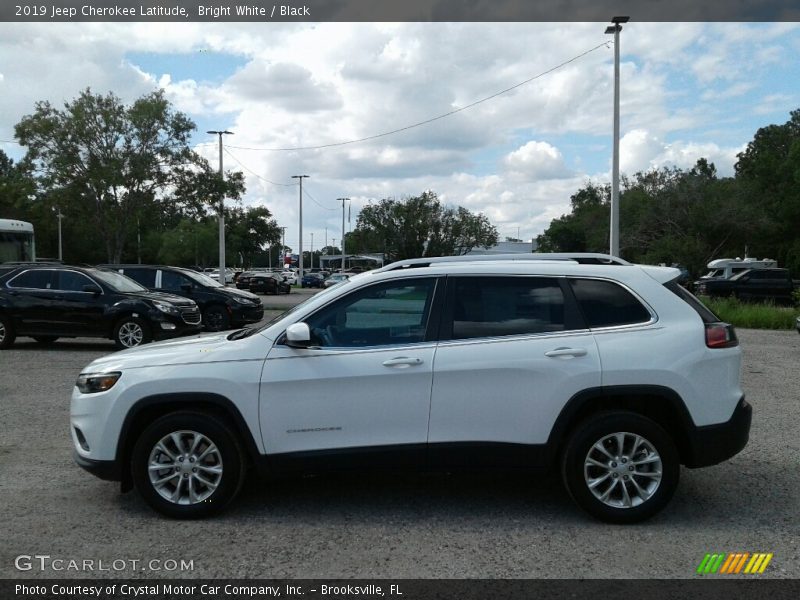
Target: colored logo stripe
{"points": [[733, 563]]}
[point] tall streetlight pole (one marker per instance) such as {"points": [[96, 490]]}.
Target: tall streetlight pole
{"points": [[300, 253], [343, 255], [614, 233], [283, 248], [59, 216], [221, 212], [312, 250]]}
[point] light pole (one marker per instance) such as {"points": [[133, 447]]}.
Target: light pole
{"points": [[614, 233], [221, 212], [301, 177], [59, 216], [343, 201], [283, 249], [312, 250]]}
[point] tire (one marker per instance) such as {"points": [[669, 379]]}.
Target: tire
{"points": [[216, 318], [131, 332], [207, 479], [45, 340], [645, 444], [7, 333]]}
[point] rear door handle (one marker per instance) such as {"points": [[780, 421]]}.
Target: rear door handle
{"points": [[402, 362], [566, 352]]}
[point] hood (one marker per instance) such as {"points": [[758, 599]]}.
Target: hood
{"points": [[204, 348], [171, 298], [234, 292]]}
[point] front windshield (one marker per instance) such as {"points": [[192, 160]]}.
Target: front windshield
{"points": [[202, 279], [117, 281], [324, 293]]}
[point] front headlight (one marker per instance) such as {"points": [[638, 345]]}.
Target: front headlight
{"points": [[91, 383], [166, 307]]}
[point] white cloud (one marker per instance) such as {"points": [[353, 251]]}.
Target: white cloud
{"points": [[536, 160]]}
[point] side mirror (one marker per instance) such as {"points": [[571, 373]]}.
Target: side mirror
{"points": [[298, 335], [92, 289]]}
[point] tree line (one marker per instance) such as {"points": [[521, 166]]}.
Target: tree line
{"points": [[693, 216]]}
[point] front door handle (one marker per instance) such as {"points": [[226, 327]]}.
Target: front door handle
{"points": [[402, 362], [566, 352]]}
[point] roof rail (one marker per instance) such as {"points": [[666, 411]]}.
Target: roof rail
{"points": [[584, 258]]}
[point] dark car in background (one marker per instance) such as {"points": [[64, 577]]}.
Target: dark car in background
{"points": [[222, 307], [269, 283], [47, 302], [312, 280], [243, 281], [753, 285]]}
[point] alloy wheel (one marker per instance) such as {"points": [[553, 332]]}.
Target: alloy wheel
{"points": [[130, 334], [185, 467]]}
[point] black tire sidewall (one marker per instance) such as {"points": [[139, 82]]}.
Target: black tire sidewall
{"points": [[224, 322], [214, 429], [147, 335], [591, 431]]}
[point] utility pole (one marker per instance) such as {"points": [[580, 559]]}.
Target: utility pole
{"points": [[60, 253], [283, 248], [312, 250], [300, 253], [614, 233], [221, 212], [343, 255]]}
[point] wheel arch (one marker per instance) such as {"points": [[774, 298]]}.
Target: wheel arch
{"points": [[150, 408], [662, 405]]}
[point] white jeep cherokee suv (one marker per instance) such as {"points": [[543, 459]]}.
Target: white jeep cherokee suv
{"points": [[610, 371]]}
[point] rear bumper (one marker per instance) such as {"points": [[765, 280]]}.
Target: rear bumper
{"points": [[713, 444]]}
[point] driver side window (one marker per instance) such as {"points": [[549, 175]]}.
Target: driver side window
{"points": [[379, 315]]}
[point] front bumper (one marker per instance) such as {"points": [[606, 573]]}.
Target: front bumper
{"points": [[247, 314], [713, 444], [108, 470]]}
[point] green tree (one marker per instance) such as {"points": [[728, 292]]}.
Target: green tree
{"points": [[419, 226], [116, 164]]}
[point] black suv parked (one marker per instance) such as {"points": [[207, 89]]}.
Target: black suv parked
{"points": [[269, 283], [222, 307], [50, 301]]}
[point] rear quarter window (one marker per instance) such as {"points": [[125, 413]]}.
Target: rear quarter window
{"points": [[608, 304]]}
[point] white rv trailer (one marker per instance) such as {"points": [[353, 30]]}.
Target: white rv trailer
{"points": [[16, 241]]}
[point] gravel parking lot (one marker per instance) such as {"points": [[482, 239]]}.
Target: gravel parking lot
{"points": [[389, 526]]}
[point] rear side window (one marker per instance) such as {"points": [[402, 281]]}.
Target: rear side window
{"points": [[499, 306], [608, 304], [145, 277], [40, 279], [172, 281]]}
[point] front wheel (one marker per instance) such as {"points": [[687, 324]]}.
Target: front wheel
{"points": [[131, 332], [620, 467], [216, 318], [188, 465]]}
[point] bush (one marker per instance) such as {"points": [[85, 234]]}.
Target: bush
{"points": [[751, 315]]}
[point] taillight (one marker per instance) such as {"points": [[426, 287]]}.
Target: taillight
{"points": [[721, 335]]}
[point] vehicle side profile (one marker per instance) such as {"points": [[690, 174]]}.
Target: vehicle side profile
{"points": [[609, 372], [49, 301], [222, 307]]}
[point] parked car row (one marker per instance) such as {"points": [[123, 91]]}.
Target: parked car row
{"points": [[129, 304]]}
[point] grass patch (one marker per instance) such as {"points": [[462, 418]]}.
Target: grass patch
{"points": [[752, 315]]}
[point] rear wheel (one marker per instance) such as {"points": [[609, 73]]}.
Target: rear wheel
{"points": [[131, 332], [7, 334], [216, 318], [620, 467], [45, 339], [188, 465]]}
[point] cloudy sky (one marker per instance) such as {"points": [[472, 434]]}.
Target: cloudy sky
{"points": [[689, 90]]}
